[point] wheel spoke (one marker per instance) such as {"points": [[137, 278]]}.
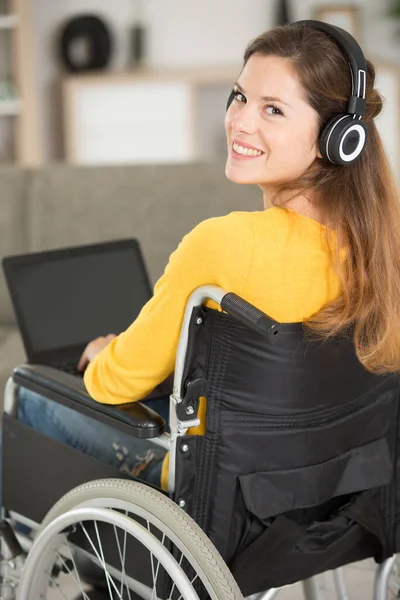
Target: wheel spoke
{"points": [[75, 568], [58, 587], [68, 570], [108, 578], [174, 586], [102, 562], [122, 559], [155, 575]]}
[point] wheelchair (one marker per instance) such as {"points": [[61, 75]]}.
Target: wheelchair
{"points": [[295, 475]]}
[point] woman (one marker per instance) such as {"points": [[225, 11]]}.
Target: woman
{"points": [[326, 248]]}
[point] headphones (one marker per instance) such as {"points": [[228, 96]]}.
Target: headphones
{"points": [[343, 137]]}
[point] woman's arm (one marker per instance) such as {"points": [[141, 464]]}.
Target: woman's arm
{"points": [[141, 357]]}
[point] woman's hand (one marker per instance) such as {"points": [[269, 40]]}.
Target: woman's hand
{"points": [[93, 349]]}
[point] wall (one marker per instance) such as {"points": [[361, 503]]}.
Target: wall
{"points": [[181, 33], [377, 29]]}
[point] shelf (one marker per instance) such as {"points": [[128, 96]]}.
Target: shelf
{"points": [[8, 21], [20, 139], [194, 76], [147, 117]]}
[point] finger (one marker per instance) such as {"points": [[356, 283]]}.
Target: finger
{"points": [[83, 362]]}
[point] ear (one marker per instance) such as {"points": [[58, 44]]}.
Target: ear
{"points": [[316, 147], [319, 155]]}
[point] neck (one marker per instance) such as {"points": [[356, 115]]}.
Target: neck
{"points": [[298, 203]]}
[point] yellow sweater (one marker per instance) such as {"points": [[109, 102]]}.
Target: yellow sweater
{"points": [[274, 259]]}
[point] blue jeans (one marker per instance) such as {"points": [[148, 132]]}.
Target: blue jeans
{"points": [[132, 455]]}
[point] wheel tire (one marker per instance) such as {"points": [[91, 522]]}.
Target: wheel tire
{"points": [[108, 492]]}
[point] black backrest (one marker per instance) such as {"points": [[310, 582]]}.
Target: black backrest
{"points": [[297, 429]]}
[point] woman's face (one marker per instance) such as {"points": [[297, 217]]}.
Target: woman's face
{"points": [[272, 132]]}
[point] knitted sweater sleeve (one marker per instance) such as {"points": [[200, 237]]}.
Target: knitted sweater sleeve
{"points": [[141, 357]]}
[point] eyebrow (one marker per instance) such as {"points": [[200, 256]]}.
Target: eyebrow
{"points": [[264, 98]]}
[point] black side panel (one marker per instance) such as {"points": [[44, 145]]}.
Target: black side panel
{"points": [[37, 471]]}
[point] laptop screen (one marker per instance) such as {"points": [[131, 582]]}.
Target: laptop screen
{"points": [[66, 298]]}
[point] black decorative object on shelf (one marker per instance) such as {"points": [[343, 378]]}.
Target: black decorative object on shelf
{"points": [[138, 45], [85, 44], [138, 35], [283, 13]]}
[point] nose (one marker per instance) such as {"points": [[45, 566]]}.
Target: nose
{"points": [[245, 120]]}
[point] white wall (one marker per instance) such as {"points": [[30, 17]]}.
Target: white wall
{"points": [[377, 29], [180, 33]]}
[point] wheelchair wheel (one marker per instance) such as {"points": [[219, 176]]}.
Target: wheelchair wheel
{"points": [[161, 552], [393, 590]]}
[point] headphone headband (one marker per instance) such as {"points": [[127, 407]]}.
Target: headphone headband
{"points": [[356, 60]]}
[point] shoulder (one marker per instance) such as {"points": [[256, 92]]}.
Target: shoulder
{"points": [[247, 226], [218, 240], [237, 231], [277, 223], [230, 226], [213, 246]]}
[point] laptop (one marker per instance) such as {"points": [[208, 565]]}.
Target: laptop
{"points": [[65, 298]]}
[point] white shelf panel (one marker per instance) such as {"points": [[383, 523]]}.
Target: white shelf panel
{"points": [[145, 122]]}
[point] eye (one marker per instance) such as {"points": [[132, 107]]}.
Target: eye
{"points": [[239, 97], [274, 110]]}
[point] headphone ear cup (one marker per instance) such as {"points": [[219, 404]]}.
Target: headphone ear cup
{"points": [[342, 139], [323, 136]]}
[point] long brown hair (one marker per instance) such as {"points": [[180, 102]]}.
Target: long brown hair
{"points": [[359, 202]]}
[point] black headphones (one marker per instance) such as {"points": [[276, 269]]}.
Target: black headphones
{"points": [[343, 137]]}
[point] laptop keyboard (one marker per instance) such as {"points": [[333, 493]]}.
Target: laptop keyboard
{"points": [[69, 367]]}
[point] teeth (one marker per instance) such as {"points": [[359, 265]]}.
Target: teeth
{"points": [[246, 151]]}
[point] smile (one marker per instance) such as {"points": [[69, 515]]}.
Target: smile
{"points": [[245, 151]]}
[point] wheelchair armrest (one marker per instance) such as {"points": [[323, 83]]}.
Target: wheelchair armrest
{"points": [[134, 418]]}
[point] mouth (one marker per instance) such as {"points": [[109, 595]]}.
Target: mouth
{"points": [[242, 150]]}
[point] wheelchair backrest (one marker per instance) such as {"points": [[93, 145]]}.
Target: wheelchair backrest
{"points": [[297, 464]]}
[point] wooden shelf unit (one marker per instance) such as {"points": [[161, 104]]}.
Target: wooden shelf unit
{"points": [[146, 116], [18, 97]]}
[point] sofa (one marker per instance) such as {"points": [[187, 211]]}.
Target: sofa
{"points": [[60, 205]]}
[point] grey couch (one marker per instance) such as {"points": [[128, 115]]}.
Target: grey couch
{"points": [[61, 206]]}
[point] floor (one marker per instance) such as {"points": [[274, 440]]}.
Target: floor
{"points": [[358, 577]]}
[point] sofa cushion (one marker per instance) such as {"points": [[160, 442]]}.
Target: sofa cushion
{"points": [[157, 204], [11, 352], [13, 227]]}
